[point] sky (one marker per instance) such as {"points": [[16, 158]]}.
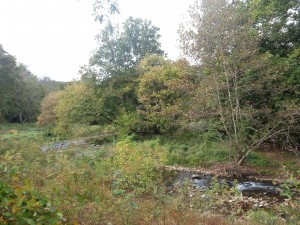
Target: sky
{"points": [[55, 37]]}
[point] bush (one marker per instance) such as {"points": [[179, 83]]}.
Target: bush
{"points": [[136, 167], [20, 204], [263, 217], [198, 154]]}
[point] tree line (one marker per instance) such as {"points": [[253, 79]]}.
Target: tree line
{"points": [[239, 80], [21, 92]]}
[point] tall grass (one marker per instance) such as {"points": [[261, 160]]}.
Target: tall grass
{"points": [[115, 183]]}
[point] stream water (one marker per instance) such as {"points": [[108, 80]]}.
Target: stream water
{"points": [[253, 188], [254, 193], [245, 186]]}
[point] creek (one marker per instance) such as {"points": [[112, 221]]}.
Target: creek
{"points": [[254, 193], [247, 187]]}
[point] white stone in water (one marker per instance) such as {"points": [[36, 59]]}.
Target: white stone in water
{"points": [[195, 176]]}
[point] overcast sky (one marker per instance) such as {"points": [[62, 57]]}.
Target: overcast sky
{"points": [[55, 37]]}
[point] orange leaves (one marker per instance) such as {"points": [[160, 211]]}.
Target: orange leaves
{"points": [[48, 105]]}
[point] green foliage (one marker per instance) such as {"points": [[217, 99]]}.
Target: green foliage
{"points": [[263, 217], [244, 90], [8, 76], [136, 167], [76, 104], [103, 9], [192, 149], [19, 136], [20, 92], [259, 159], [128, 124], [50, 86], [291, 187], [278, 23], [219, 46], [113, 183], [163, 91], [122, 50], [219, 193], [47, 109], [20, 204], [115, 97], [198, 155], [276, 86]]}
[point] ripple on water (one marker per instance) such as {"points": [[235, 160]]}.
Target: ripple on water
{"points": [[248, 187], [256, 186]]}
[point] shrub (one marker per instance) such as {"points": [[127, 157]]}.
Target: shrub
{"points": [[263, 217], [20, 204], [136, 166]]}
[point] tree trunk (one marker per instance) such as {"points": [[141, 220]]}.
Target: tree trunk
{"points": [[243, 156]]}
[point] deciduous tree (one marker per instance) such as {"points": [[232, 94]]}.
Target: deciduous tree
{"points": [[221, 39], [119, 50], [163, 91], [20, 93]]}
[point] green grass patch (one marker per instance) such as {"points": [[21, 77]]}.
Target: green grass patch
{"points": [[261, 160], [199, 155], [263, 217], [195, 150], [83, 130], [20, 131]]}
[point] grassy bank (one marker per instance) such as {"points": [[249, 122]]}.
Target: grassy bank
{"points": [[117, 182]]}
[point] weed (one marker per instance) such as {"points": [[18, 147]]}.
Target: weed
{"points": [[258, 159], [198, 155], [20, 204], [115, 183], [263, 217]]}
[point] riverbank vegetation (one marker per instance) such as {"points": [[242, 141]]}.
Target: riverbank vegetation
{"points": [[230, 106], [118, 182]]}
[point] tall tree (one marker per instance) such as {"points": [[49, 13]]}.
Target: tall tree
{"points": [[50, 85], [111, 74], [20, 93], [122, 50], [47, 114], [76, 104], [7, 77], [164, 89], [278, 24], [221, 38], [104, 8]]}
